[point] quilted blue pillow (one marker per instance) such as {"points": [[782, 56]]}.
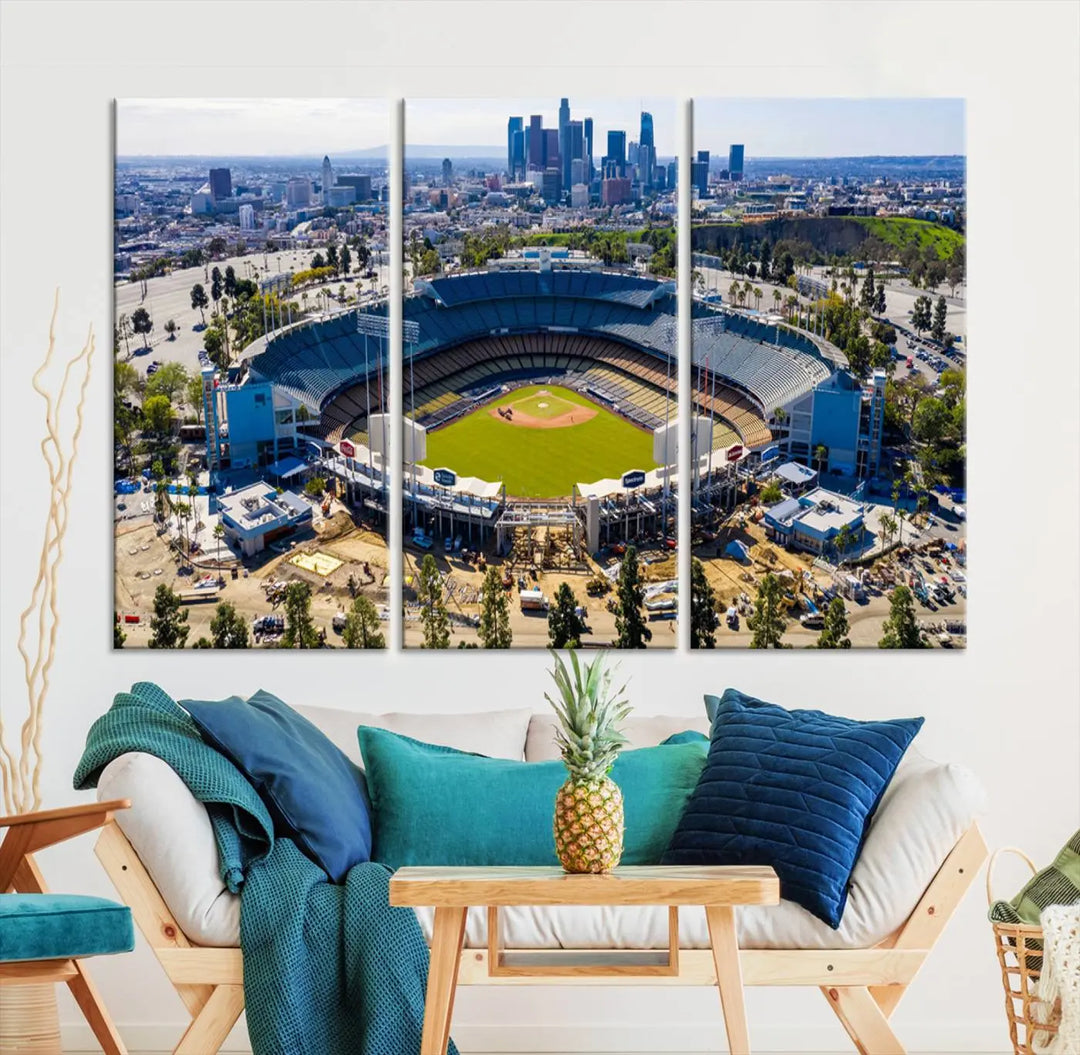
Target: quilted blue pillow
{"points": [[791, 789], [316, 796]]}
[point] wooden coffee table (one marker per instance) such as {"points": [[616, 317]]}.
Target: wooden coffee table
{"points": [[453, 891]]}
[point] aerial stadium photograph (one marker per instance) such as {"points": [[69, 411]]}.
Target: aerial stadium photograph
{"points": [[539, 376], [828, 374], [251, 373]]}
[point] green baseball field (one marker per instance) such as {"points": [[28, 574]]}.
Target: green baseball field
{"points": [[540, 440]]}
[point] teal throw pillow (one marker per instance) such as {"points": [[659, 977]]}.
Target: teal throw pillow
{"points": [[437, 806]]}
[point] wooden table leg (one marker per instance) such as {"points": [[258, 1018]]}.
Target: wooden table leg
{"points": [[725, 950], [446, 942]]}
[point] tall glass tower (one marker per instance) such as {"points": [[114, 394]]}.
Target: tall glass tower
{"points": [[646, 151], [513, 126], [564, 140], [735, 161]]}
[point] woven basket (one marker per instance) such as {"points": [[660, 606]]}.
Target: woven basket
{"points": [[1020, 956]]}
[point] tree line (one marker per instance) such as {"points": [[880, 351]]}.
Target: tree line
{"points": [[565, 625], [770, 618]]}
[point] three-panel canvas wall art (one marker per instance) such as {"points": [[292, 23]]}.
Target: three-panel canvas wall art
{"points": [[567, 412]]}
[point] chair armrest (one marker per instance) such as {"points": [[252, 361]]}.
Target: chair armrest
{"points": [[66, 812], [30, 832]]}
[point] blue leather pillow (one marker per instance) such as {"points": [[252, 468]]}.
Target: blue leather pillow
{"points": [[315, 795], [792, 789]]}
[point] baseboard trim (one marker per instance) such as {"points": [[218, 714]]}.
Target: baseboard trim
{"points": [[975, 1038]]}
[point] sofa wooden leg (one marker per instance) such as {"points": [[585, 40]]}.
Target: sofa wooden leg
{"points": [[863, 1019], [211, 1025], [97, 1017]]}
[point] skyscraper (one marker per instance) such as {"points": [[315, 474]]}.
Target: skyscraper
{"points": [[220, 184], [536, 141], [616, 150], [564, 140], [519, 154], [552, 158], [701, 173], [735, 161], [575, 141], [588, 132], [646, 151], [327, 178], [513, 126], [447, 172]]}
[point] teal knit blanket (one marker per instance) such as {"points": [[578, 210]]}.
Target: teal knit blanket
{"points": [[329, 969]]}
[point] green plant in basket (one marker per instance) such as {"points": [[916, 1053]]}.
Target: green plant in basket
{"points": [[589, 806]]}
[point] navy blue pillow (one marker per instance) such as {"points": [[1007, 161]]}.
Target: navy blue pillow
{"points": [[315, 795], [791, 789]]}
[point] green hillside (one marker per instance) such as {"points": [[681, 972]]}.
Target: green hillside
{"points": [[901, 231], [828, 235]]}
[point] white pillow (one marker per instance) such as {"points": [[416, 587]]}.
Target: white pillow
{"points": [[640, 730], [497, 734]]}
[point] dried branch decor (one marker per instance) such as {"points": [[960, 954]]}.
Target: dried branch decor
{"points": [[20, 767]]}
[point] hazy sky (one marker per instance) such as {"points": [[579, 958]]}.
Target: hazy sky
{"points": [[482, 122], [234, 127], [830, 127]]}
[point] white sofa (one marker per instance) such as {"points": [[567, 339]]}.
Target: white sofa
{"points": [[924, 813]]}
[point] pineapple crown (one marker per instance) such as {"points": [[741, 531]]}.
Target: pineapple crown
{"points": [[589, 713]]}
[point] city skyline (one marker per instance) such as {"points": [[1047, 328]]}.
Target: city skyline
{"points": [[830, 128], [482, 122], [250, 127]]}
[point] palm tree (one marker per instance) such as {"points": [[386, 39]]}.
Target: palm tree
{"points": [[748, 288], [821, 456], [843, 543], [733, 291], [777, 297], [758, 294], [888, 529]]}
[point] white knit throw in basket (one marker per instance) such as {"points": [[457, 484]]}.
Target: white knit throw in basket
{"points": [[1060, 979]]}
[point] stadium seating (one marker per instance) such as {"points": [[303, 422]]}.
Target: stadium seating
{"points": [[612, 330], [448, 383], [772, 364]]}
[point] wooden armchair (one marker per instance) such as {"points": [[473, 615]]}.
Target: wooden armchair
{"points": [[46, 936]]}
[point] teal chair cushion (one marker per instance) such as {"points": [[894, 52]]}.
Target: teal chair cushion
{"points": [[59, 926]]}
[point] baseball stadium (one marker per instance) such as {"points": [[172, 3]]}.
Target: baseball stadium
{"points": [[540, 406]]}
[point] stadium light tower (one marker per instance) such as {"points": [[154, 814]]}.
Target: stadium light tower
{"points": [[377, 326]]}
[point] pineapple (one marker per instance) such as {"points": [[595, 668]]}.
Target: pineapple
{"points": [[589, 806]]}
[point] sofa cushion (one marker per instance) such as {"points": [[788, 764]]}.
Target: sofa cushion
{"points": [[923, 813], [171, 833], [640, 731], [433, 805], [297, 772], [790, 789], [58, 926], [497, 734]]}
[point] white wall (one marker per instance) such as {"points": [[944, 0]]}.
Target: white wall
{"points": [[1007, 708]]}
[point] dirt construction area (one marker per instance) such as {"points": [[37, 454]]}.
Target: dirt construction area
{"points": [[462, 582], [327, 558], [736, 584]]}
